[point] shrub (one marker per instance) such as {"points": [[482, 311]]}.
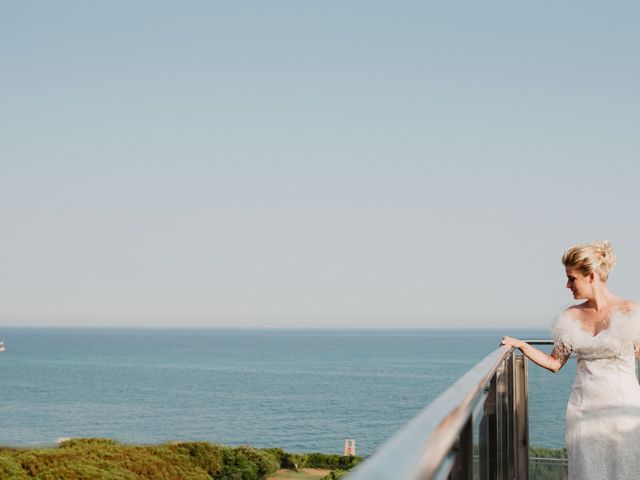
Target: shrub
{"points": [[247, 463], [10, 469], [291, 461], [105, 459], [333, 462], [335, 475]]}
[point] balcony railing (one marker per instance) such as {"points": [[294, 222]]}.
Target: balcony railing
{"points": [[477, 428]]}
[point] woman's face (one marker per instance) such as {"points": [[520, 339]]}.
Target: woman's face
{"points": [[579, 284]]}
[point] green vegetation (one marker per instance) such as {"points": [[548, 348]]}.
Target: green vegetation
{"points": [[335, 475], [547, 463], [104, 459], [296, 461], [542, 452]]}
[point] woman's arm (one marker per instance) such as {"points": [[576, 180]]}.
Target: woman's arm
{"points": [[553, 362]]}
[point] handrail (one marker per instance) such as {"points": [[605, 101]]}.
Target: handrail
{"points": [[419, 449], [439, 442]]}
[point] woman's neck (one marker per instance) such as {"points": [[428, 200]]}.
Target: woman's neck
{"points": [[601, 300]]}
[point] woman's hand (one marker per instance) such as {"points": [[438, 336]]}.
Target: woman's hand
{"points": [[553, 362], [512, 342]]}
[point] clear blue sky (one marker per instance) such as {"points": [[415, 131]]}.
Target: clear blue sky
{"points": [[312, 164]]}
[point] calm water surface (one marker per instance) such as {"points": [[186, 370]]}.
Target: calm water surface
{"points": [[302, 390]]}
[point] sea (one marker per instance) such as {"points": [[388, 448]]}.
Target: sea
{"points": [[300, 390]]}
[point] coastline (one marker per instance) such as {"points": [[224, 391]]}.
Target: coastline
{"points": [[103, 458]]}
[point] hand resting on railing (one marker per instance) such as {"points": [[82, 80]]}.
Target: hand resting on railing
{"points": [[552, 362]]}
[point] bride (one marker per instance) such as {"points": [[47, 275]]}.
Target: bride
{"points": [[602, 424]]}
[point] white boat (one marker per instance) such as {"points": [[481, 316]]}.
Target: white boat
{"points": [[1, 346]]}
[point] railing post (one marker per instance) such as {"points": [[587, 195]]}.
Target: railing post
{"points": [[513, 395], [488, 435], [504, 376], [463, 448], [483, 439], [521, 395]]}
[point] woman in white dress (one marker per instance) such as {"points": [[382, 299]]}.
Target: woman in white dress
{"points": [[602, 425]]}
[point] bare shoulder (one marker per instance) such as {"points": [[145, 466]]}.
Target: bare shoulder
{"points": [[628, 306], [568, 316], [576, 311]]}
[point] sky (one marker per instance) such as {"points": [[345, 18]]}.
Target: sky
{"points": [[338, 164]]}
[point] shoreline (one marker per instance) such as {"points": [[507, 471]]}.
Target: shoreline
{"points": [[105, 458]]}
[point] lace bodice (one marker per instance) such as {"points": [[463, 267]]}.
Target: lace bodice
{"points": [[602, 424], [620, 339]]}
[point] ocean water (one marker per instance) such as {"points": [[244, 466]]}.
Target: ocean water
{"points": [[301, 390]]}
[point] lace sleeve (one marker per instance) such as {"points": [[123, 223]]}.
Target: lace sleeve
{"points": [[562, 332]]}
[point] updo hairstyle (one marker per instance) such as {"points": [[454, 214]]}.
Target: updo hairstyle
{"points": [[596, 257]]}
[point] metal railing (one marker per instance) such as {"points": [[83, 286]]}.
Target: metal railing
{"points": [[477, 428]]}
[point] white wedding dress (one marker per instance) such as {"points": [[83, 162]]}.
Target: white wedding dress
{"points": [[602, 426]]}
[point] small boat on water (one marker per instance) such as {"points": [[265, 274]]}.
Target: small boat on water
{"points": [[1, 346]]}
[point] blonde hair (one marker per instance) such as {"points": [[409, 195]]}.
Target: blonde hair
{"points": [[596, 257]]}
